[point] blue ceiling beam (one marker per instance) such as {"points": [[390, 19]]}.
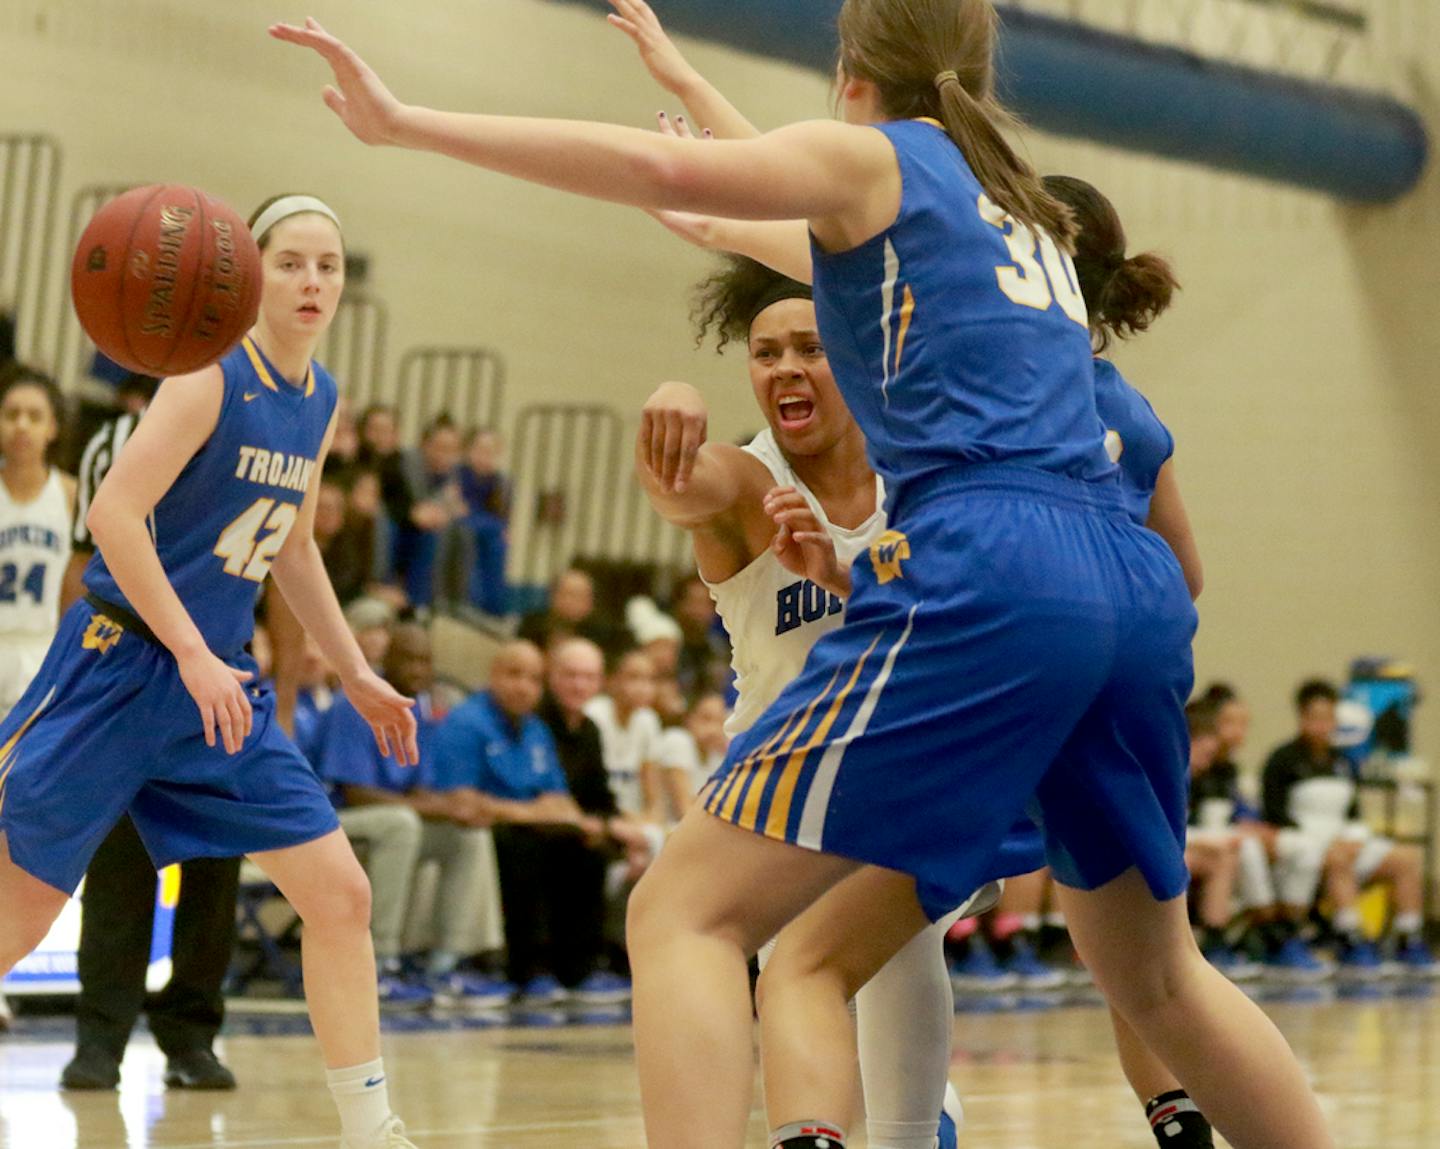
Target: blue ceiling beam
{"points": [[1074, 80]]}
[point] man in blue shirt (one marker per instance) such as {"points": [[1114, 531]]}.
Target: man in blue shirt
{"points": [[408, 816], [494, 750]]}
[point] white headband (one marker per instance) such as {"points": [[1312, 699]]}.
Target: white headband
{"points": [[289, 205]]}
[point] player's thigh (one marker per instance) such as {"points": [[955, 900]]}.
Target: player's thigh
{"points": [[713, 877], [850, 932]]}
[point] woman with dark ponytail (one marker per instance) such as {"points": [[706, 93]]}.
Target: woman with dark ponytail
{"points": [[1125, 294], [1013, 636]]}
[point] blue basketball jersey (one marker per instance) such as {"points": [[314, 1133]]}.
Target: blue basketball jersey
{"points": [[958, 335], [221, 524], [1136, 436]]}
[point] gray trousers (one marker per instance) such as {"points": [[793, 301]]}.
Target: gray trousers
{"points": [[391, 836]]}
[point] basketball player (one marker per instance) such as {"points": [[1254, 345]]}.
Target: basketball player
{"points": [[36, 505], [1123, 296], [145, 701], [812, 449], [1013, 634]]}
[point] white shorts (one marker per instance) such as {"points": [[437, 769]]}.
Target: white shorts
{"points": [[23, 655]]}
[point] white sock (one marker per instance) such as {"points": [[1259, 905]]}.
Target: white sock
{"points": [[363, 1100], [906, 1014], [1347, 921], [1407, 925]]}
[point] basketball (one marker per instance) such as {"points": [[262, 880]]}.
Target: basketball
{"points": [[166, 279]]}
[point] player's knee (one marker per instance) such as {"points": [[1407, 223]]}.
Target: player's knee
{"points": [[646, 912], [345, 905]]}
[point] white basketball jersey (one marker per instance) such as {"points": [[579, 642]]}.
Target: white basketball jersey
{"points": [[774, 616], [34, 550]]}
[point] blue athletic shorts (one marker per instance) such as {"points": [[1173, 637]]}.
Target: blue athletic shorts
{"points": [[1016, 645], [107, 728]]}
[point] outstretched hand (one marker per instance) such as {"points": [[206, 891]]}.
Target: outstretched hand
{"points": [[802, 544], [358, 96], [658, 52]]}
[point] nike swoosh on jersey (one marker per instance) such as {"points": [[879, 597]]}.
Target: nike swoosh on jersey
{"points": [[249, 395]]}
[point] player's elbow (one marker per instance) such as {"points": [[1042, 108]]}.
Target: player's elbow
{"points": [[1195, 579]]}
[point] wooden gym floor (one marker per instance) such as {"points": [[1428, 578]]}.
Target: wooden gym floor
{"points": [[1038, 1078]]}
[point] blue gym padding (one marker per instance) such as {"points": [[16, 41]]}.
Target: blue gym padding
{"points": [[1078, 81]]}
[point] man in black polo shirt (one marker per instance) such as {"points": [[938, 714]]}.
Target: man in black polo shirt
{"points": [[575, 671], [1309, 785]]}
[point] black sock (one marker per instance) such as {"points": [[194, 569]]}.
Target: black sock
{"points": [[808, 1135], [1177, 1123]]}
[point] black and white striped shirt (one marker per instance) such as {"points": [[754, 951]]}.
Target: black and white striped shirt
{"points": [[100, 453]]}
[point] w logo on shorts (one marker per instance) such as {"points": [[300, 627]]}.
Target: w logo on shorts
{"points": [[886, 554], [101, 634]]}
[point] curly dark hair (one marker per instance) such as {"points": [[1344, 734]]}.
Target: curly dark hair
{"points": [[727, 301]]}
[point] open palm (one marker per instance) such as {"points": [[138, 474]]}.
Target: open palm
{"points": [[358, 96]]}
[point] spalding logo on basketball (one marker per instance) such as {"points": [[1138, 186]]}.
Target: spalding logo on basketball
{"points": [[166, 279]]}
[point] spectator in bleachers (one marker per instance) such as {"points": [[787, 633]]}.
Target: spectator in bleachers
{"points": [[420, 510], [344, 456], [1310, 785], [1279, 870], [569, 613], [498, 752], [379, 433], [408, 816], [1212, 852], [659, 637], [371, 619], [690, 752], [630, 734], [575, 672], [346, 540], [704, 662], [485, 498]]}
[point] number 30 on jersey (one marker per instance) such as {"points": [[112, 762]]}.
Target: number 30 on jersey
{"points": [[246, 553], [1041, 273]]}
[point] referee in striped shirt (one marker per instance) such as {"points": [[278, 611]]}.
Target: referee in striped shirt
{"points": [[119, 903]]}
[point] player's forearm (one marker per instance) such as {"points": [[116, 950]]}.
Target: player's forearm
{"points": [[709, 108], [602, 161], [781, 245], [299, 572], [123, 538], [711, 492]]}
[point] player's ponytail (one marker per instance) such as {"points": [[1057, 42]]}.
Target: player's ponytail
{"points": [[936, 58], [1123, 294]]}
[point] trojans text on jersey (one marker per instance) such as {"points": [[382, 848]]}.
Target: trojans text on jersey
{"points": [[274, 468]]}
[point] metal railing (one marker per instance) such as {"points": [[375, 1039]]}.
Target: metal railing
{"points": [[353, 350], [468, 383], [73, 349], [30, 167]]}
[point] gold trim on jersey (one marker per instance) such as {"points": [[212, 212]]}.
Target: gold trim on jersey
{"points": [[9, 753], [790, 776], [750, 812], [257, 361], [786, 736]]}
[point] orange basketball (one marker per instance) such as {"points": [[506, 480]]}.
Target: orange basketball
{"points": [[166, 279]]}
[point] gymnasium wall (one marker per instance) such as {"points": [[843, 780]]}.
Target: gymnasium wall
{"points": [[1298, 371]]}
